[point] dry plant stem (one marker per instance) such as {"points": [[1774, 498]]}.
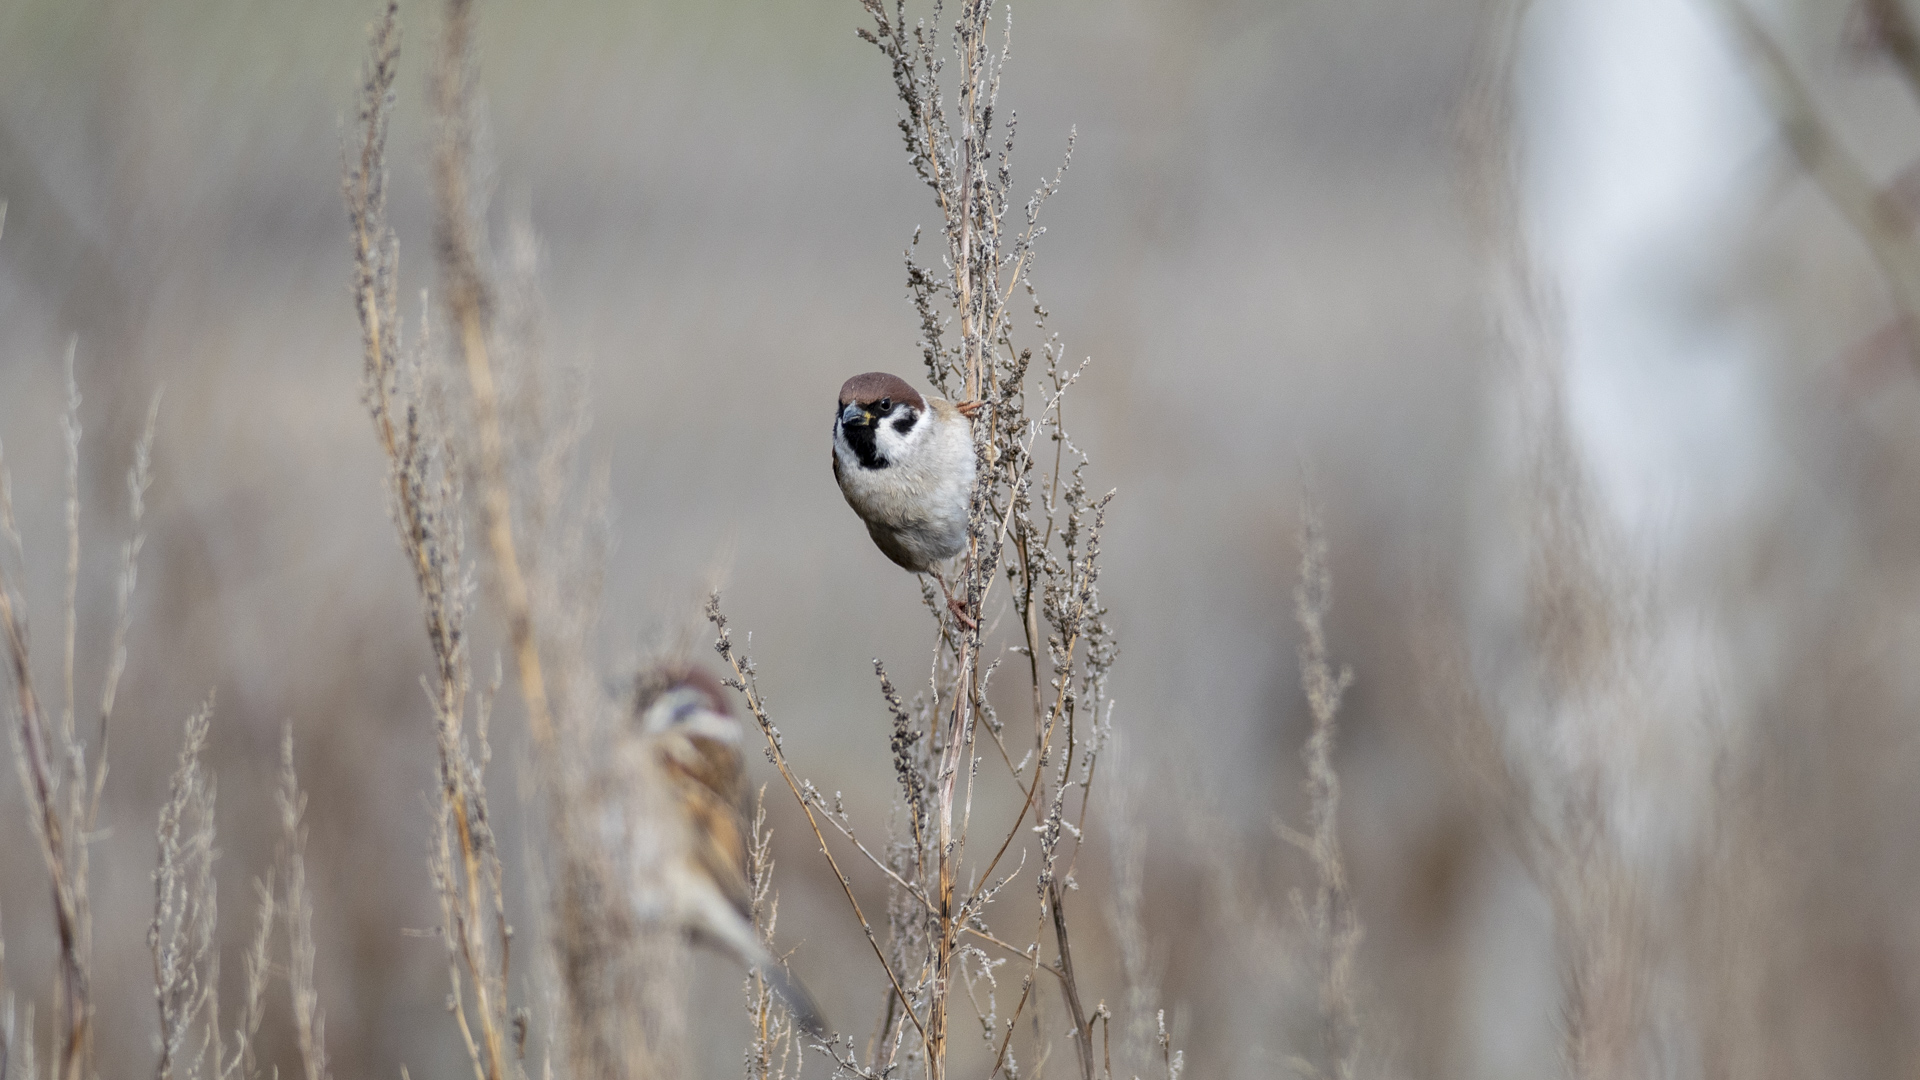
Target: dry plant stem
{"points": [[64, 800], [139, 478], [259, 968], [1082, 1027], [1579, 617], [425, 499], [469, 301], [309, 1023], [181, 935], [1000, 1057], [1873, 213], [182, 939], [619, 1016], [743, 681], [62, 792], [773, 1054], [1331, 919], [51, 829]]}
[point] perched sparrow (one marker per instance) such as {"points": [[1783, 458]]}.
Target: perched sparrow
{"points": [[689, 744], [905, 464]]}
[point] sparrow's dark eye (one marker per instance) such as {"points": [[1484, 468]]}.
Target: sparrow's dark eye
{"points": [[883, 406]]}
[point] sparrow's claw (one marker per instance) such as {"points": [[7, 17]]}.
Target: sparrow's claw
{"points": [[955, 604], [959, 610], [969, 409]]}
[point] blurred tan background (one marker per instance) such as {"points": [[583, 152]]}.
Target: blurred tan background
{"points": [[1263, 244]]}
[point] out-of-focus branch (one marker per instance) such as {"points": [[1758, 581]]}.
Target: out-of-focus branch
{"points": [[1331, 919], [470, 299], [1894, 31], [1579, 665], [425, 493], [1873, 213]]}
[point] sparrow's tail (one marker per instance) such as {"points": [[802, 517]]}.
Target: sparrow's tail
{"points": [[793, 994], [721, 925]]}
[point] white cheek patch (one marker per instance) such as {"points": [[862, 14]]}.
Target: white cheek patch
{"points": [[892, 444]]}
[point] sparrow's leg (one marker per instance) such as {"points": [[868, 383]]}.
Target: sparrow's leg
{"points": [[954, 605], [969, 409]]}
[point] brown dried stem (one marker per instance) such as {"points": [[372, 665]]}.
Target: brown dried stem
{"points": [[469, 299], [424, 487]]}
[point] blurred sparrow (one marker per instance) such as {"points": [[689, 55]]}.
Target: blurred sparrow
{"points": [[905, 464], [690, 745]]}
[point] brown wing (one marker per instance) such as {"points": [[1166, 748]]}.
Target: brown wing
{"points": [[706, 776]]}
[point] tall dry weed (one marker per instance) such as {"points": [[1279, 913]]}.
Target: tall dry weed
{"points": [[64, 776]]}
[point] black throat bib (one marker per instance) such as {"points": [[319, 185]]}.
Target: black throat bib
{"points": [[861, 437]]}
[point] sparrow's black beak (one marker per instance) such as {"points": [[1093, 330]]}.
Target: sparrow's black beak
{"points": [[855, 416]]}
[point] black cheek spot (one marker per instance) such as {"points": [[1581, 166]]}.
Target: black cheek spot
{"points": [[905, 423]]}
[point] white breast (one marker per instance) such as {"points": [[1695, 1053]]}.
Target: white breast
{"points": [[916, 507]]}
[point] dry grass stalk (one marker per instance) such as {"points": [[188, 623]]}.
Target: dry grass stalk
{"points": [[492, 444], [186, 960], [424, 485], [803, 791], [1331, 919], [65, 806], [48, 757], [63, 790], [182, 939], [470, 300], [309, 1022], [1553, 764], [774, 1050], [259, 971], [619, 965], [66, 803]]}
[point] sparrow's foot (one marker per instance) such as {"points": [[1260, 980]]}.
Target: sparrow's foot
{"points": [[954, 603], [969, 409], [960, 612]]}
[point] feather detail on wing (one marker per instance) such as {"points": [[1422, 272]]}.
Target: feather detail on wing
{"points": [[706, 777]]}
